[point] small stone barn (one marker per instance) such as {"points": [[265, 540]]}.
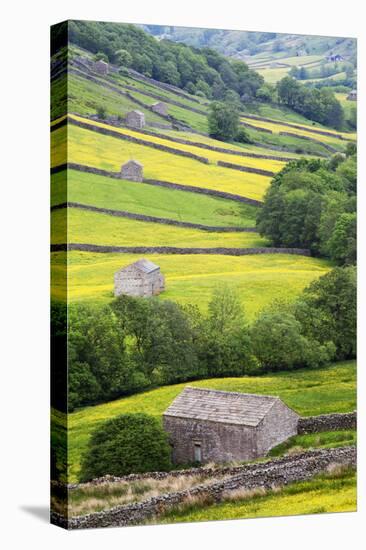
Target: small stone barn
{"points": [[160, 108], [142, 278], [135, 119], [101, 67], [352, 96], [132, 170], [210, 425]]}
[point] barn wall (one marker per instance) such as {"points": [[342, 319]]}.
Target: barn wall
{"points": [[219, 442], [279, 424]]}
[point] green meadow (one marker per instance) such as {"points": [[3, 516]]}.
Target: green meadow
{"points": [[259, 279], [103, 229], [149, 200], [109, 153], [309, 392], [324, 494]]}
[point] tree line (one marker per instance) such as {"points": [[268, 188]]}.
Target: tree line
{"points": [[199, 71], [312, 204], [134, 344]]}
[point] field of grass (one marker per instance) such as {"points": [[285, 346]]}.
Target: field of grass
{"points": [[244, 147], [324, 494], [309, 392], [103, 229], [273, 75], [325, 440], [290, 143], [305, 131], [109, 153], [278, 112], [259, 279], [146, 199], [213, 156]]}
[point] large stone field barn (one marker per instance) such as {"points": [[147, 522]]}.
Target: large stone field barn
{"points": [[142, 278], [210, 425]]}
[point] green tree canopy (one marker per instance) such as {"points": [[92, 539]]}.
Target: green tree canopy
{"points": [[130, 443]]}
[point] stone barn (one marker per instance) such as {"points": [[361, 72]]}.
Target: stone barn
{"points": [[218, 426], [101, 67], [352, 96], [160, 108], [132, 170], [142, 278], [135, 119]]}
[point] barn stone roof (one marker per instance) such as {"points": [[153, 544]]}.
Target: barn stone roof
{"points": [[134, 162], [146, 266], [221, 406]]}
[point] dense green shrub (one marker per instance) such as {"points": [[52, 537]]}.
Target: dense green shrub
{"points": [[130, 443]]}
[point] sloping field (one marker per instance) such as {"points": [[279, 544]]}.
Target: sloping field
{"points": [[321, 495], [141, 198], [306, 131], [109, 153], [244, 147], [103, 229], [212, 156], [309, 392], [191, 278]]}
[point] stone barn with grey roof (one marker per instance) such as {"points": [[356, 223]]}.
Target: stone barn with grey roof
{"points": [[101, 67], [218, 426], [132, 170], [135, 119], [160, 108], [142, 278]]}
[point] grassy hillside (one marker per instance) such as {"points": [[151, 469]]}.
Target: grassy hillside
{"points": [[326, 493], [146, 199], [109, 153], [103, 229], [191, 278], [330, 389]]}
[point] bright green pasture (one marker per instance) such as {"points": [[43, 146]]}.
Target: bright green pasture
{"points": [[309, 392], [324, 494], [109, 153], [259, 279], [141, 198], [96, 228], [194, 120]]}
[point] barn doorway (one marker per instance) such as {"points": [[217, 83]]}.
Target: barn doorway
{"points": [[197, 452]]}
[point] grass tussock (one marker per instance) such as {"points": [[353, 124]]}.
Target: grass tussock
{"points": [[93, 498]]}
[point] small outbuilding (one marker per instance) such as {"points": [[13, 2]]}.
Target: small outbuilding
{"points": [[132, 170], [211, 425], [142, 278], [135, 119], [160, 108], [352, 96], [101, 67]]}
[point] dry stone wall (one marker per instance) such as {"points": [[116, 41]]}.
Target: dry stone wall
{"points": [[153, 219], [327, 423], [249, 169], [298, 136], [175, 250], [267, 475]]}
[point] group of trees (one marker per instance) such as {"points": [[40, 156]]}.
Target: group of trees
{"points": [[135, 343], [312, 204], [320, 105], [202, 71]]}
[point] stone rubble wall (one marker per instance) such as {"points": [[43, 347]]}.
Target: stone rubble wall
{"points": [[313, 130], [125, 137], [249, 169], [154, 219], [158, 183], [277, 472], [86, 247], [253, 127], [327, 423], [325, 145]]}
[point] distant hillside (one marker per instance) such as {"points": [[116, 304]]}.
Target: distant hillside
{"points": [[273, 54], [245, 44]]}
